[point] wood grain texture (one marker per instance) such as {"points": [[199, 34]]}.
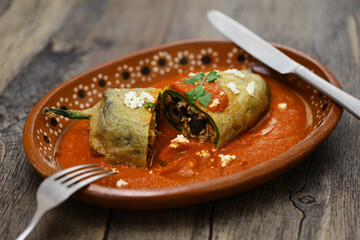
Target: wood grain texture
{"points": [[26, 27], [43, 43]]}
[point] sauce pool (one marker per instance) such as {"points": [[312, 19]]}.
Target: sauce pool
{"points": [[278, 131]]}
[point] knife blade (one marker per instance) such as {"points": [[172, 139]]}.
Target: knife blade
{"points": [[275, 59]]}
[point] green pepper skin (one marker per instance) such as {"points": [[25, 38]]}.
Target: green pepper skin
{"points": [[243, 111], [116, 131]]}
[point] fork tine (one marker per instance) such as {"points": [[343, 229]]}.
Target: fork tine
{"points": [[87, 181], [82, 176], [51, 193], [67, 170], [78, 172]]}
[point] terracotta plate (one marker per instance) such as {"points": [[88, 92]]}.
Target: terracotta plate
{"points": [[137, 70]]}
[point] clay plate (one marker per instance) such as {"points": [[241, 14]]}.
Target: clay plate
{"points": [[137, 70]]}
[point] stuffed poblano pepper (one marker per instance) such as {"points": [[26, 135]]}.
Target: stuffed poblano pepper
{"points": [[123, 124], [216, 106]]}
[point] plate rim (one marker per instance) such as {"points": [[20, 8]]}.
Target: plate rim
{"points": [[197, 192]]}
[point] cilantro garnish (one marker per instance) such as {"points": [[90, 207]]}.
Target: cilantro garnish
{"points": [[195, 78], [212, 76], [149, 105], [199, 92]]}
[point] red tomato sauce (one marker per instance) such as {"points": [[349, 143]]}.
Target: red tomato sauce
{"points": [[278, 131]]}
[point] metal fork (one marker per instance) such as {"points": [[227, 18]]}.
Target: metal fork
{"points": [[60, 186]]}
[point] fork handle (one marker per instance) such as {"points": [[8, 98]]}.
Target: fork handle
{"points": [[34, 220]]}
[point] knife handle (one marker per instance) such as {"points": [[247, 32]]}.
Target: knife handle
{"points": [[348, 102]]}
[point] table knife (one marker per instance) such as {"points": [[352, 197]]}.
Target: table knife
{"points": [[278, 61]]}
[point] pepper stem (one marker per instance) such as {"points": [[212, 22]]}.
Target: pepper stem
{"points": [[73, 114]]}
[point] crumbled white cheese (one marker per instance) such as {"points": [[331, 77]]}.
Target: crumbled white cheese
{"points": [[225, 159], [239, 74], [114, 170], [282, 105], [251, 88], [150, 172], [191, 74], [179, 139], [146, 97], [235, 72], [222, 93], [131, 99], [233, 88], [203, 153], [121, 183], [231, 71], [215, 102]]}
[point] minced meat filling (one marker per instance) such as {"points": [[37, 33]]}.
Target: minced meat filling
{"points": [[191, 123]]}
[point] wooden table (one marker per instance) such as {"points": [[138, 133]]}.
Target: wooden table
{"points": [[43, 43]]}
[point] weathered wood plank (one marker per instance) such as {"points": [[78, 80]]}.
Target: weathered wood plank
{"points": [[319, 199], [19, 180], [4, 6], [124, 27], [25, 28], [182, 223]]}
